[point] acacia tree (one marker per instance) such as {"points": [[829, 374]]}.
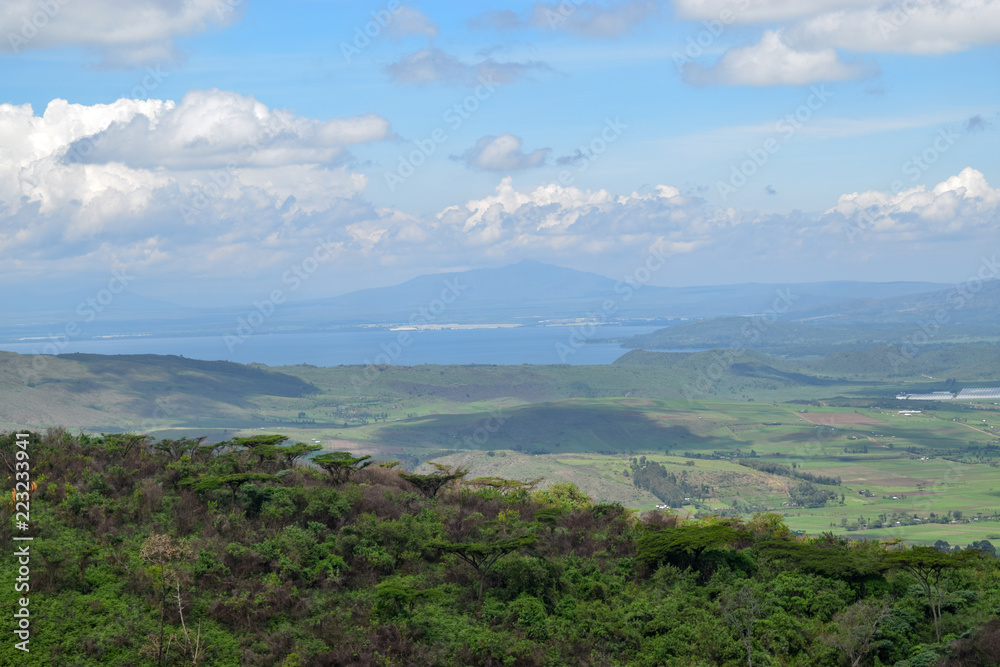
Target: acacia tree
{"points": [[429, 485], [685, 544], [341, 465], [928, 566], [295, 452], [483, 556], [234, 482], [175, 449], [264, 447]]}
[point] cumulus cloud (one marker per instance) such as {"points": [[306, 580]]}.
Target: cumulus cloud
{"points": [[122, 33], [570, 219], [211, 128], [502, 153], [151, 180], [962, 203], [924, 28], [771, 62], [433, 65], [804, 39], [586, 19]]}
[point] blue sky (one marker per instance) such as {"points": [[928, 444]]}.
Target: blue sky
{"points": [[206, 146]]}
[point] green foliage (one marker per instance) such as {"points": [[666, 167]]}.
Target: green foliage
{"points": [[302, 573], [341, 465], [429, 485]]}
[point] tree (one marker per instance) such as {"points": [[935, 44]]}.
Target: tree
{"points": [[264, 447], [125, 442], [985, 546], [430, 484], [295, 452], [685, 544], [742, 610], [483, 556], [341, 465], [234, 482], [928, 566], [175, 449], [857, 626], [161, 552]]}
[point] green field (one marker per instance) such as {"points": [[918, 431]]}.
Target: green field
{"points": [[697, 417]]}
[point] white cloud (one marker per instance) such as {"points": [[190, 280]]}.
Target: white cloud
{"points": [[591, 19], [502, 153], [759, 11], [211, 128], [433, 65], [122, 33], [409, 21], [960, 203], [166, 182], [805, 40], [586, 19], [772, 62], [946, 26]]}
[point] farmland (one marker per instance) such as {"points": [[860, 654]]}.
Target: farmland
{"points": [[768, 434]]}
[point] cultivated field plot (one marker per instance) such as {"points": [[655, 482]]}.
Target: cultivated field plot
{"points": [[840, 418], [891, 466]]}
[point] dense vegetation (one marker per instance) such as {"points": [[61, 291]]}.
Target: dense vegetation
{"points": [[176, 552]]}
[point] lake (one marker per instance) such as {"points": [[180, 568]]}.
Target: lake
{"points": [[519, 345]]}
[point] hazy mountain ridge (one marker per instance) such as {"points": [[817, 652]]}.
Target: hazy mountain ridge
{"points": [[528, 292]]}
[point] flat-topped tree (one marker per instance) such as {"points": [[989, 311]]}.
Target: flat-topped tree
{"points": [[928, 566], [234, 482], [295, 452], [685, 544], [175, 449], [483, 556], [511, 488], [264, 447], [430, 484], [341, 465], [125, 442]]}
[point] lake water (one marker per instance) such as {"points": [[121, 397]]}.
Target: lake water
{"points": [[520, 345]]}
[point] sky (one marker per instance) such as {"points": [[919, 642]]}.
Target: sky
{"points": [[201, 149]]}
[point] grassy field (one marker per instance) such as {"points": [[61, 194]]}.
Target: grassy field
{"points": [[940, 461], [581, 424]]}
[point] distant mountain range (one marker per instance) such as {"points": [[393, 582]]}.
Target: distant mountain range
{"points": [[528, 292]]}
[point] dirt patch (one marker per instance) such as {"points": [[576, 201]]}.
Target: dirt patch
{"points": [[838, 418]]}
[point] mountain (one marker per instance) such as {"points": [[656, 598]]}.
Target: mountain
{"points": [[531, 291], [969, 304], [528, 292]]}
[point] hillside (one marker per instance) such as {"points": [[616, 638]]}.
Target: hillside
{"points": [[796, 338], [167, 553], [92, 391]]}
